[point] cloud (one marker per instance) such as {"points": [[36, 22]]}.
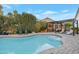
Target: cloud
{"points": [[6, 6], [33, 11], [65, 11], [55, 15], [49, 12], [29, 11], [38, 11], [38, 16], [68, 15], [65, 16]]}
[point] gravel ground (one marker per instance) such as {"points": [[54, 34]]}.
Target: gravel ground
{"points": [[70, 45]]}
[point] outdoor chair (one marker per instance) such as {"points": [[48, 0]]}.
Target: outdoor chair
{"points": [[69, 32], [63, 31]]}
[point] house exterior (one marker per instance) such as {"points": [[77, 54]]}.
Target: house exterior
{"points": [[50, 24], [53, 26], [77, 17]]}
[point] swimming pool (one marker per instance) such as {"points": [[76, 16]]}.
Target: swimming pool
{"points": [[29, 45]]}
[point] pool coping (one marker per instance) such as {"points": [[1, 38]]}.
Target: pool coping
{"points": [[26, 35]]}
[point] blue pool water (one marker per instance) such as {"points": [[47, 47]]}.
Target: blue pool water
{"points": [[28, 45]]}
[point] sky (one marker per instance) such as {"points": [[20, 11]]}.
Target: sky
{"points": [[54, 11]]}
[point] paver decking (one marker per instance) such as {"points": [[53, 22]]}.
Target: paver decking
{"points": [[70, 45]]}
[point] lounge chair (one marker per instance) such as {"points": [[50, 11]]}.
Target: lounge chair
{"points": [[58, 30], [63, 31], [69, 32]]}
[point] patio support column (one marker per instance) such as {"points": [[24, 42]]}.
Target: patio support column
{"points": [[73, 29], [77, 27], [64, 25], [47, 27], [52, 26], [55, 27], [61, 26]]}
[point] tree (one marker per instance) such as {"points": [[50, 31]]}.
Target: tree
{"points": [[15, 13], [17, 23], [1, 10], [28, 21], [10, 23], [1, 23], [1, 7]]}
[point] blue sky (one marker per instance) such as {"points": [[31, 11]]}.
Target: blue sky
{"points": [[41, 11]]}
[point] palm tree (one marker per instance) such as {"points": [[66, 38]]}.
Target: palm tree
{"points": [[15, 13]]}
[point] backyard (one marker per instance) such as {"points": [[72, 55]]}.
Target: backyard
{"points": [[23, 32]]}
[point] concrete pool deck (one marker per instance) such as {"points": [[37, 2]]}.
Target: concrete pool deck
{"points": [[70, 45]]}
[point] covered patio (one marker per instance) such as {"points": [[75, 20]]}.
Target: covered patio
{"points": [[57, 26], [61, 26]]}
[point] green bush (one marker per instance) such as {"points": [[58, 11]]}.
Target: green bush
{"points": [[69, 25], [40, 26]]}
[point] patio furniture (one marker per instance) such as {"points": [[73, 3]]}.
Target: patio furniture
{"points": [[63, 31], [69, 32]]}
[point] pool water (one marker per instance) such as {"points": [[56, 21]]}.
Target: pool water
{"points": [[29, 45]]}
